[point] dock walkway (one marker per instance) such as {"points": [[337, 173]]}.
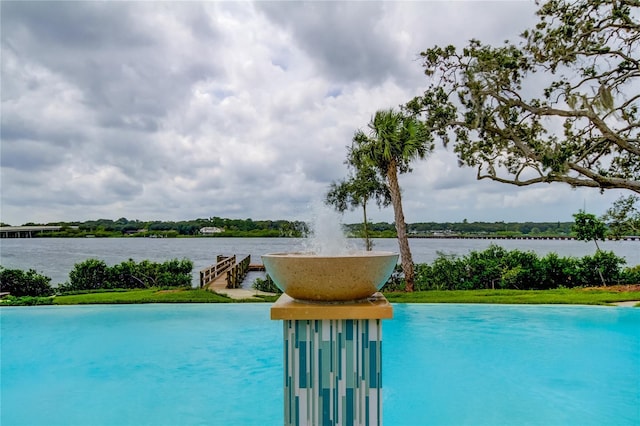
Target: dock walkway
{"points": [[226, 277]]}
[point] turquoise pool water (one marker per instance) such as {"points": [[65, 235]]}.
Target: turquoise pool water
{"points": [[222, 365]]}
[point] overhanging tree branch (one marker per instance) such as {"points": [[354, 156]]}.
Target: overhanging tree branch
{"points": [[499, 127]]}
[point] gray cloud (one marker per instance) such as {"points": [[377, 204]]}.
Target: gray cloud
{"points": [[30, 155], [85, 26], [176, 110], [116, 54], [343, 39]]}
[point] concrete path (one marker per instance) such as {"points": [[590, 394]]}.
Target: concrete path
{"points": [[242, 293], [630, 303], [219, 285]]}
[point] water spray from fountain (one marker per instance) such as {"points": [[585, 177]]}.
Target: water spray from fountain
{"points": [[326, 234], [329, 268]]}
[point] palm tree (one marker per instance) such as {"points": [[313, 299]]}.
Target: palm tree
{"points": [[362, 185], [394, 140]]}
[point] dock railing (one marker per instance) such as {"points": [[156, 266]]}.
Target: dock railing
{"points": [[238, 272], [209, 274]]}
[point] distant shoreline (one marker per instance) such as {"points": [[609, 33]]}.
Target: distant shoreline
{"points": [[515, 237], [26, 232], [216, 227]]}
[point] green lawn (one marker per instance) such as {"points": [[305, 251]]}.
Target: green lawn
{"points": [[143, 296], [577, 296]]}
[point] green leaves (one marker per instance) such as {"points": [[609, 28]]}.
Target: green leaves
{"points": [[93, 274], [623, 217], [497, 268], [503, 105], [394, 138], [20, 283], [362, 185], [588, 227]]}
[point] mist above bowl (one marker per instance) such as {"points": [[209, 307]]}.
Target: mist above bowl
{"points": [[307, 276]]}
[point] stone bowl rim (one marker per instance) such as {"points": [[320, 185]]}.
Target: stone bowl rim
{"points": [[348, 255]]}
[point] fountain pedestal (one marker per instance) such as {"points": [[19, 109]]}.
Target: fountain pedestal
{"points": [[332, 360]]}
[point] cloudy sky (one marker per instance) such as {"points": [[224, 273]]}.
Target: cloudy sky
{"points": [[179, 110]]}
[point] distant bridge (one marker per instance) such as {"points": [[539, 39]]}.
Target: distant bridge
{"points": [[26, 231], [511, 237]]}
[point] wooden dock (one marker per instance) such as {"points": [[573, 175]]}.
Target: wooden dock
{"points": [[227, 273]]}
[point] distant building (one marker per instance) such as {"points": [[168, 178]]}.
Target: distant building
{"points": [[134, 231], [209, 230]]}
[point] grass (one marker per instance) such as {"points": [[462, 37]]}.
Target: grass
{"points": [[152, 295], [573, 296]]}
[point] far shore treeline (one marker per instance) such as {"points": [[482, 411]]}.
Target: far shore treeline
{"points": [[221, 227]]}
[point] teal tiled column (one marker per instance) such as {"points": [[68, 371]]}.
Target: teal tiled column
{"points": [[332, 366]]}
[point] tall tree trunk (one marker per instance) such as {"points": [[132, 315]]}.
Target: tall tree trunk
{"points": [[367, 242], [401, 227]]}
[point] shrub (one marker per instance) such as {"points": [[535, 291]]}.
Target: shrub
{"points": [[631, 275], [604, 265], [446, 273], [94, 274], [496, 267], [266, 284], [124, 275], [175, 273], [558, 271], [88, 275], [20, 283], [484, 269], [521, 270], [396, 280]]}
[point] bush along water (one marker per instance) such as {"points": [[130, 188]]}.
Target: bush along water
{"points": [[94, 274], [498, 268], [20, 283], [25, 287], [266, 285]]}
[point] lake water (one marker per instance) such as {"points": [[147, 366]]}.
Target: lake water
{"points": [[55, 257], [220, 364]]}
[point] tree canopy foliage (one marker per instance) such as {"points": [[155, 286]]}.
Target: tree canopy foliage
{"points": [[94, 274], [498, 268], [588, 227], [623, 217], [24, 283], [227, 227], [560, 106]]}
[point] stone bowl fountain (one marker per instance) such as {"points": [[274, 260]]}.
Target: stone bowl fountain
{"points": [[320, 278]]}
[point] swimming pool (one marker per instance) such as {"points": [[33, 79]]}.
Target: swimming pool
{"points": [[222, 364]]}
